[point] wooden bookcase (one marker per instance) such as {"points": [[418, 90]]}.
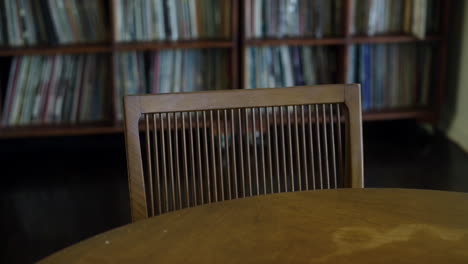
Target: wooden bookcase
{"points": [[237, 46], [429, 114], [111, 47]]}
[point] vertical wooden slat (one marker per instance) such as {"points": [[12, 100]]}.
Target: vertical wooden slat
{"points": [[200, 168], [148, 163], [228, 160], [340, 147], [234, 163], [283, 142], [247, 150], [184, 153], [354, 157], [311, 147], [270, 165], [275, 139], [262, 148], [177, 163], [156, 166], [254, 135], [290, 136], [304, 148], [325, 144], [164, 165], [332, 138], [207, 165], [347, 138], [319, 154], [136, 183], [171, 164], [298, 151], [173, 195], [213, 159], [241, 154], [192, 160], [220, 158]]}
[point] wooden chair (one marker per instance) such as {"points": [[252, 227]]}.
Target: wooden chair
{"points": [[204, 147]]}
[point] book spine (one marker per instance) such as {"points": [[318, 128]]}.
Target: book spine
{"points": [[286, 59], [3, 24], [30, 90], [173, 20], [118, 19], [363, 75], [41, 89], [156, 72], [307, 61], [52, 92], [73, 22], [351, 74], [12, 79], [18, 96], [147, 20], [297, 66]]}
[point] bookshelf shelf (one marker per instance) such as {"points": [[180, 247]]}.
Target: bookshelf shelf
{"points": [[96, 48], [193, 44], [391, 39], [65, 130], [46, 50], [296, 41], [392, 114], [340, 40]]}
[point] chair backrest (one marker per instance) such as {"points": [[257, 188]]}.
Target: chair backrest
{"points": [[203, 147]]}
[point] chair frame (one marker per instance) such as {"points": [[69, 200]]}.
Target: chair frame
{"points": [[136, 105]]}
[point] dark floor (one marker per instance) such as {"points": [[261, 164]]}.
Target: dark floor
{"points": [[58, 191]]}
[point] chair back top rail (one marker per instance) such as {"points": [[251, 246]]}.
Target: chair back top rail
{"points": [[227, 99]]}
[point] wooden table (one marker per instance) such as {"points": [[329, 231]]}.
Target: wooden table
{"points": [[329, 226]]}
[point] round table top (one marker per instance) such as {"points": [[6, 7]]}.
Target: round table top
{"points": [[326, 226]]}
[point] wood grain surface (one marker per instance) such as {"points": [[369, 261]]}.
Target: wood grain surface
{"points": [[326, 226]]}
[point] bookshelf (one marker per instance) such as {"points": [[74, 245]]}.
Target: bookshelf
{"points": [[345, 39], [235, 47], [110, 47]]}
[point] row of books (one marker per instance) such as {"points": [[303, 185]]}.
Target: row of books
{"points": [[147, 20], [56, 90], [283, 18], [32, 22], [417, 17], [392, 75], [167, 71], [279, 66]]}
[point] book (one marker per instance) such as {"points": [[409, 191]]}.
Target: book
{"points": [[167, 71], [419, 23], [380, 17], [392, 75], [293, 18], [277, 66], [34, 22], [172, 20], [56, 89]]}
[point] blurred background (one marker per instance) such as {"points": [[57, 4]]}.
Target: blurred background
{"points": [[65, 65]]}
